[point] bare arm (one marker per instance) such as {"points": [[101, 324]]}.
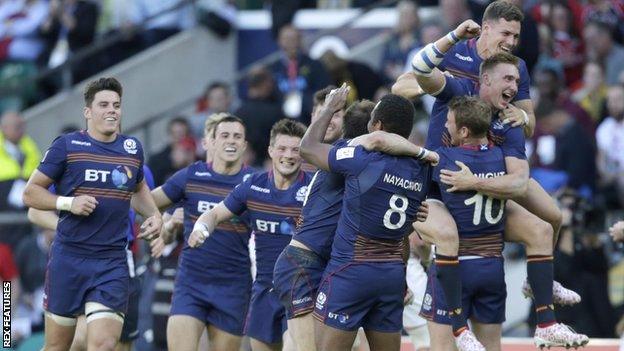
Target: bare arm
{"points": [[143, 203], [511, 185], [312, 148], [173, 225], [161, 199], [394, 144], [407, 86], [207, 222], [37, 195], [44, 219]]}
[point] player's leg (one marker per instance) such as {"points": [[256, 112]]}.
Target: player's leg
{"points": [[440, 229], [258, 345], [59, 332], [441, 336], [104, 326], [332, 339], [419, 336], [183, 332], [488, 334], [130, 329], [80, 335], [414, 325], [380, 341], [223, 341], [296, 278], [541, 204], [301, 329]]}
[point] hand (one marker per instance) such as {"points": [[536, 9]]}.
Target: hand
{"points": [[423, 212], [83, 205], [408, 298], [150, 229], [197, 238], [176, 222], [619, 328], [407, 86], [468, 29], [337, 98], [461, 180], [157, 246], [513, 115], [433, 158], [617, 231]]}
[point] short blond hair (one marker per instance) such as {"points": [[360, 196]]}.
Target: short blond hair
{"points": [[212, 121]]}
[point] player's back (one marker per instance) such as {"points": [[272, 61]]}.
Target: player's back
{"points": [[321, 211], [382, 196], [478, 217]]}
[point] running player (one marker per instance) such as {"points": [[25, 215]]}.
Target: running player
{"points": [[213, 283], [498, 86], [364, 282], [97, 173], [480, 220], [273, 202], [299, 268]]}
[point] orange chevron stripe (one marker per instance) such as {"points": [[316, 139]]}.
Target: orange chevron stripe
{"points": [[540, 259], [446, 261], [103, 157]]}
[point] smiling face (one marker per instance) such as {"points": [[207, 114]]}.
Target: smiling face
{"points": [[499, 85], [284, 153], [500, 35], [104, 115], [229, 142], [334, 129]]}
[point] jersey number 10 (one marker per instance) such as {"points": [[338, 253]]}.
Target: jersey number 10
{"points": [[477, 200]]}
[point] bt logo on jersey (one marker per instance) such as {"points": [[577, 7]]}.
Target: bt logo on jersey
{"points": [[94, 175], [205, 206], [267, 226]]}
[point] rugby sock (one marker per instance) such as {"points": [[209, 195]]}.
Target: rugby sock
{"points": [[540, 275], [447, 268]]}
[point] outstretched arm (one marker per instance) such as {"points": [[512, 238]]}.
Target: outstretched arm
{"points": [[312, 148], [143, 203], [426, 61], [394, 144], [207, 222], [511, 185]]}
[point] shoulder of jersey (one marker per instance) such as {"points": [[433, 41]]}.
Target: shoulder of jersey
{"points": [[130, 144]]}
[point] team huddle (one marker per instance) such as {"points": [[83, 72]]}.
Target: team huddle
{"points": [[330, 247]]}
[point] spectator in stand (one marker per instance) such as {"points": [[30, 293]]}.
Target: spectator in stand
{"points": [[166, 162], [567, 46], [19, 22], [403, 40], [565, 148], [297, 75], [72, 22], [216, 99], [549, 86], [260, 111], [610, 141], [609, 12], [361, 79], [19, 156], [167, 21], [529, 45], [20, 47], [9, 272], [602, 48], [454, 12], [118, 17], [592, 93]]}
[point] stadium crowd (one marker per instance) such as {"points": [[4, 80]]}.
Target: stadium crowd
{"points": [[573, 50]]}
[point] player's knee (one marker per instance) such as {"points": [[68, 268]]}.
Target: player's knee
{"points": [[539, 239], [447, 240], [103, 343]]}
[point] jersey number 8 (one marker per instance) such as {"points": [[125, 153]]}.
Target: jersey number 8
{"points": [[477, 200], [394, 208]]}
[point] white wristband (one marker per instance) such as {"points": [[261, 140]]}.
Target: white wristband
{"points": [[526, 117], [425, 154], [63, 203], [201, 227]]}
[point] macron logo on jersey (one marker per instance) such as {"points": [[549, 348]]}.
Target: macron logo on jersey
{"points": [[81, 143], [464, 58], [203, 174], [262, 190]]}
